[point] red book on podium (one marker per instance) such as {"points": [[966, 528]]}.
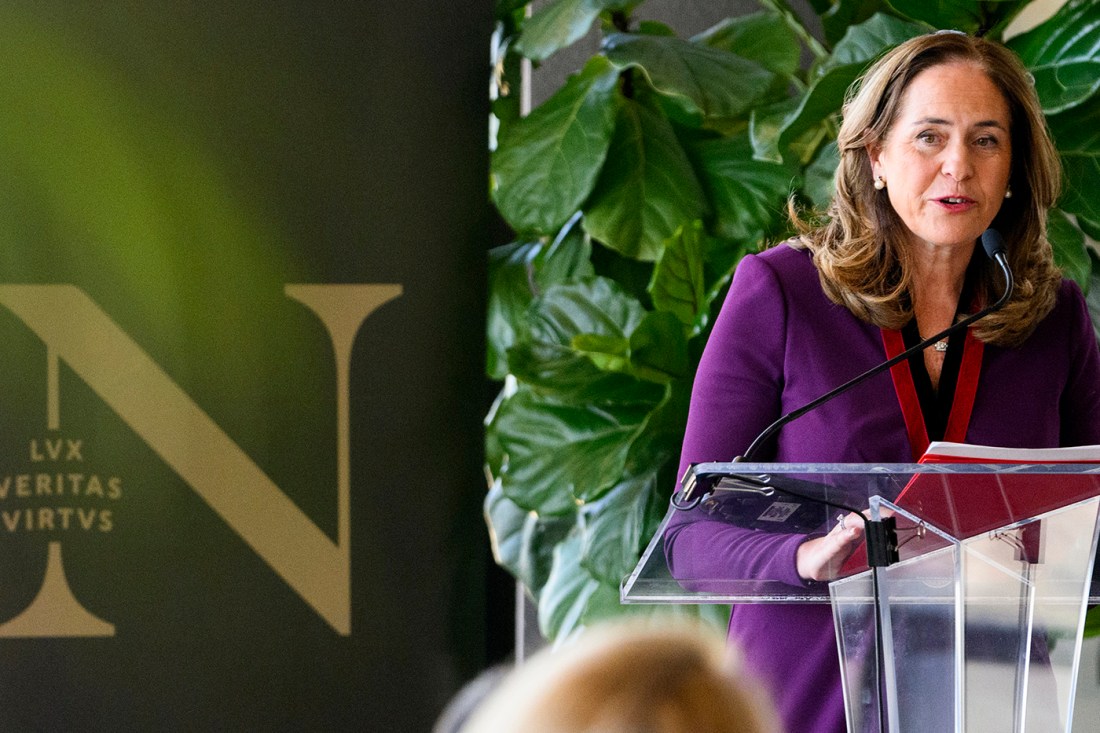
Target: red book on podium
{"points": [[967, 504]]}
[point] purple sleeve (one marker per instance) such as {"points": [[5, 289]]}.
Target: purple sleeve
{"points": [[1080, 408], [736, 394]]}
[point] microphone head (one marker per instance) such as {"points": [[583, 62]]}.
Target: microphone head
{"points": [[993, 243]]}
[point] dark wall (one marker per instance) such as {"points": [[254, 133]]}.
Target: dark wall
{"points": [[166, 171]]}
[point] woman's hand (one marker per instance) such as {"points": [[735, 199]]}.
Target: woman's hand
{"points": [[822, 557]]}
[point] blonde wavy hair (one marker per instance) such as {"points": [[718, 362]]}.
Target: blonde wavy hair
{"points": [[630, 677], [858, 249]]}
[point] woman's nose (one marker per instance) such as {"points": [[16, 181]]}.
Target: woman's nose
{"points": [[957, 163]]}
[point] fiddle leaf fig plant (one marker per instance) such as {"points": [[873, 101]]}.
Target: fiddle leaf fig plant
{"points": [[633, 191]]}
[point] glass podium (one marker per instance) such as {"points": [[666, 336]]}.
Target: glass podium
{"points": [[976, 622]]}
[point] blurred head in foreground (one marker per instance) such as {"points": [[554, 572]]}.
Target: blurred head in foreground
{"points": [[629, 677]]}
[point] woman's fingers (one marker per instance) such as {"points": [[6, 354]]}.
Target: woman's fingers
{"points": [[822, 557]]}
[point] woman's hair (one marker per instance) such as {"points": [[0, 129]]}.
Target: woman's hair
{"points": [[857, 250], [628, 678]]}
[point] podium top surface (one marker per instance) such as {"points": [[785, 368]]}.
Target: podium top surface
{"points": [[936, 504]]}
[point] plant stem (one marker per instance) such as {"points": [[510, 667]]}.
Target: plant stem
{"points": [[796, 25]]}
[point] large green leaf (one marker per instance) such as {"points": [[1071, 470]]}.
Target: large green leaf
{"points": [[573, 599], [1062, 54], [557, 351], [654, 28], [722, 257], [595, 320], [1090, 228], [647, 188], [747, 195], [819, 178], [565, 373], [1077, 135], [517, 273], [961, 15], [1066, 84], [865, 42], [762, 37], [657, 448], [1068, 34], [659, 349], [597, 306], [609, 353], [510, 280], [557, 452], [656, 350], [523, 541], [842, 15], [567, 592], [678, 285], [612, 528], [1069, 248], [568, 258], [776, 127], [546, 163], [558, 24], [702, 80]]}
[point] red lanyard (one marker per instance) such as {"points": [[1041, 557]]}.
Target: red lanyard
{"points": [[966, 389]]}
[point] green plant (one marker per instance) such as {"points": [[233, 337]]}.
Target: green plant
{"points": [[634, 190]]}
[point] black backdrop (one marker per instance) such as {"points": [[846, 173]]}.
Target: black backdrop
{"points": [[168, 169]]}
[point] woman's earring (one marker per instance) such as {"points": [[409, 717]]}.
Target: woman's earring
{"points": [[880, 183], [1008, 192]]}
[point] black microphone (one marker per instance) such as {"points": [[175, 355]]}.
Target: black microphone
{"points": [[994, 247]]}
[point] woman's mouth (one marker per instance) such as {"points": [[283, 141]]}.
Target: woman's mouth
{"points": [[956, 203]]}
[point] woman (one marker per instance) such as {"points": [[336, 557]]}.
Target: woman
{"points": [[943, 139]]}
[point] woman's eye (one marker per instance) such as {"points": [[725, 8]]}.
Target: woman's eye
{"points": [[986, 142], [928, 138]]}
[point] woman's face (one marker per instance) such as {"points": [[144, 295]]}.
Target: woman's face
{"points": [[947, 158]]}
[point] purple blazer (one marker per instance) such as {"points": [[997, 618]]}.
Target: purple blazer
{"points": [[779, 343]]}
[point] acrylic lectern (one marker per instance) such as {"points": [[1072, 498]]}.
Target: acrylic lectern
{"points": [[975, 623]]}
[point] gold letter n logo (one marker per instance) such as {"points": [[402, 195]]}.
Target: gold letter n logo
{"points": [[75, 330]]}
